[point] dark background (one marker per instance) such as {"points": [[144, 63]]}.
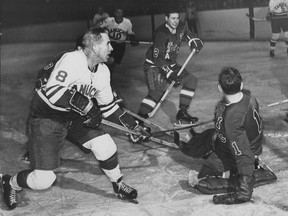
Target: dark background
{"points": [[24, 12]]}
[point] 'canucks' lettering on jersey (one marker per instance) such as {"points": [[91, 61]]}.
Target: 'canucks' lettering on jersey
{"points": [[70, 71], [117, 31], [278, 7]]}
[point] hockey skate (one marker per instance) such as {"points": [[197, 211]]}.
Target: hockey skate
{"points": [[10, 196], [26, 158], [193, 178], [183, 118], [272, 54], [124, 191]]}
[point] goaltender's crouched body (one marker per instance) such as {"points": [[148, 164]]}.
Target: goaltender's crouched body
{"points": [[236, 139]]}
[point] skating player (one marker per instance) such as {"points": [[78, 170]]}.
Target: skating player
{"points": [[237, 141], [161, 68], [278, 14], [120, 29], [71, 104]]}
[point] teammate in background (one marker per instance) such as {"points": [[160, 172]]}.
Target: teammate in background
{"points": [[278, 14], [100, 15], [120, 29], [237, 141], [71, 104], [161, 68], [191, 16]]}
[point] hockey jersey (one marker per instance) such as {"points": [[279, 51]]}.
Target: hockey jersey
{"points": [[118, 32], [70, 72], [278, 7], [166, 45], [239, 130]]}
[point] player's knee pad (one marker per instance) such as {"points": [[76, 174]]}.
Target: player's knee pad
{"points": [[286, 36], [263, 176], [103, 147], [275, 37], [41, 179]]}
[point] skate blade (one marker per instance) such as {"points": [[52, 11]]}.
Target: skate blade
{"points": [[134, 201]]}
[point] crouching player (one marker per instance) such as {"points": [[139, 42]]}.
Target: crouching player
{"points": [[236, 139], [70, 103]]}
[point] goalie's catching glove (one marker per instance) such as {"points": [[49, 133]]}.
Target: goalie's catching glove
{"points": [[143, 133], [87, 108]]}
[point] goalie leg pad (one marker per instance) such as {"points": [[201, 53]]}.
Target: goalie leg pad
{"points": [[103, 147], [263, 177], [215, 185]]}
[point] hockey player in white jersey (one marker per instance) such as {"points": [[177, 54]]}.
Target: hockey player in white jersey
{"points": [[278, 13], [120, 29], [71, 105]]}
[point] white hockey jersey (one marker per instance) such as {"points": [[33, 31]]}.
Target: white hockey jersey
{"points": [[278, 7], [117, 31], [71, 72]]}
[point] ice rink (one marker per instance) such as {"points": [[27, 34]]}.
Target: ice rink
{"points": [[159, 173]]}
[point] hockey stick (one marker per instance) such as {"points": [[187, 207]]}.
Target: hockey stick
{"points": [[264, 18], [141, 42], [171, 85], [256, 19], [277, 103], [184, 127], [122, 128], [150, 123]]}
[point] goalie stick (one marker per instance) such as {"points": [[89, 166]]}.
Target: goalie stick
{"points": [[122, 128], [184, 127], [277, 103], [171, 85]]}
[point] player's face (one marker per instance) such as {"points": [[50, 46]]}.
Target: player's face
{"points": [[173, 20], [118, 14], [104, 48]]}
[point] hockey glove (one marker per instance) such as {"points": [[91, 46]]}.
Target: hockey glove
{"points": [[87, 108], [195, 43], [143, 133], [170, 72], [269, 16], [133, 40], [118, 99], [243, 192]]}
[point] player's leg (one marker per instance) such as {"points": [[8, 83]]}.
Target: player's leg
{"points": [[105, 150], [156, 84], [187, 93], [285, 30], [276, 29], [45, 141]]}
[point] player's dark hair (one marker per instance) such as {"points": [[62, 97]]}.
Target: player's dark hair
{"points": [[92, 35], [171, 10], [230, 80]]}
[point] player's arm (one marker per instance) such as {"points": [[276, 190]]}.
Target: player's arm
{"points": [[193, 41], [161, 40]]}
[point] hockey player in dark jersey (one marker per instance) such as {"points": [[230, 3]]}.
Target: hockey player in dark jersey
{"points": [[72, 98], [161, 68], [236, 139]]}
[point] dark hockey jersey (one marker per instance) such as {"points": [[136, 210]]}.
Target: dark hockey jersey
{"points": [[165, 47], [239, 129]]}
